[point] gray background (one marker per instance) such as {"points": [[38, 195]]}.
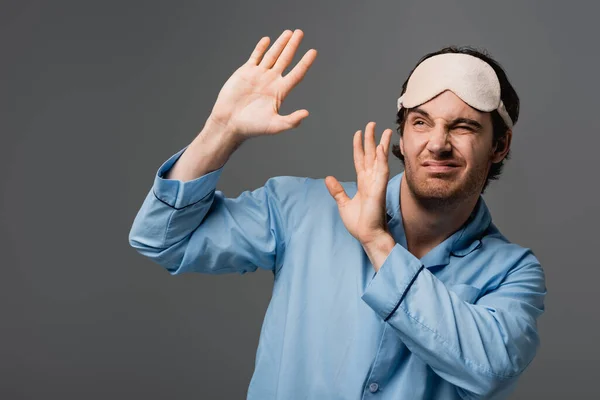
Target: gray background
{"points": [[96, 95]]}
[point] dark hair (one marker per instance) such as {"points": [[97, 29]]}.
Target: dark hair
{"points": [[507, 94]]}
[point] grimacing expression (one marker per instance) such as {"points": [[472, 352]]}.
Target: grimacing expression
{"points": [[447, 149]]}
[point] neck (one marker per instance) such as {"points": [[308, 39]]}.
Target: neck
{"points": [[426, 226]]}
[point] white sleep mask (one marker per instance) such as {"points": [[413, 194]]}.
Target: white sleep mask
{"points": [[469, 77]]}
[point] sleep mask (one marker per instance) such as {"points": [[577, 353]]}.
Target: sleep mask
{"points": [[469, 77]]}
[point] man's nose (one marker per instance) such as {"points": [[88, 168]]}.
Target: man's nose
{"points": [[439, 140]]}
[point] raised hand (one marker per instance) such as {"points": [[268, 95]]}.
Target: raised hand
{"points": [[248, 103], [364, 214]]}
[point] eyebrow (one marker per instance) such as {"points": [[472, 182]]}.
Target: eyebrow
{"points": [[456, 121]]}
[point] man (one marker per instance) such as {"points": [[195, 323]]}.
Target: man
{"points": [[391, 289]]}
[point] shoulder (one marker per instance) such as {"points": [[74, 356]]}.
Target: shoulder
{"points": [[306, 196], [497, 245], [317, 193], [513, 258], [284, 185], [316, 186], [295, 190]]}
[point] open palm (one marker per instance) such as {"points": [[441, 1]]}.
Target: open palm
{"points": [[364, 214], [249, 102]]}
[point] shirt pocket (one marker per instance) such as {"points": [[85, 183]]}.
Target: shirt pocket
{"points": [[468, 293]]}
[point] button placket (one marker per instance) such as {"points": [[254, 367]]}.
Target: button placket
{"points": [[373, 387], [391, 353]]}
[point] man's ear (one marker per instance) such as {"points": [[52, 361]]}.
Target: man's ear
{"points": [[502, 147], [402, 146]]}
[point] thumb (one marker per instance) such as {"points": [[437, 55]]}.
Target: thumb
{"points": [[293, 120], [336, 191]]}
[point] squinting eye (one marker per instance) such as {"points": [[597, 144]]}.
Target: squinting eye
{"points": [[466, 128], [418, 122]]}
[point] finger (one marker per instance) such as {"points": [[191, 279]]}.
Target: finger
{"points": [[288, 52], [336, 191], [259, 50], [383, 150], [359, 155], [386, 138], [382, 160], [370, 145], [382, 169], [275, 50], [290, 121], [295, 76]]}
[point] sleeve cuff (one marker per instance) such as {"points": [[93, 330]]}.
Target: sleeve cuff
{"points": [[179, 194], [388, 287]]}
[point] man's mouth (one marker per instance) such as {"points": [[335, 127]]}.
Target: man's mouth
{"points": [[440, 166]]}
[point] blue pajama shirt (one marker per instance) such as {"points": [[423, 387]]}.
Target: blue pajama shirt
{"points": [[458, 323]]}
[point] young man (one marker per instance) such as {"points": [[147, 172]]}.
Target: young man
{"points": [[390, 289]]}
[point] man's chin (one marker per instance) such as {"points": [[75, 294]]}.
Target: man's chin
{"points": [[436, 194], [437, 190], [439, 177], [434, 184]]}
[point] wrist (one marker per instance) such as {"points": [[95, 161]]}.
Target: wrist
{"points": [[379, 248], [218, 128]]}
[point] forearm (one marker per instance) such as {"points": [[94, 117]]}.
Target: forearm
{"points": [[171, 211], [208, 152], [478, 347]]}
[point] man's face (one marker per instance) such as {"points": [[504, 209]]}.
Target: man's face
{"points": [[447, 148]]}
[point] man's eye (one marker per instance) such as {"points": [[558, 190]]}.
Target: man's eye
{"points": [[418, 122], [463, 127]]}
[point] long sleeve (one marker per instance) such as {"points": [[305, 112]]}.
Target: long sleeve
{"points": [[192, 227], [481, 348]]}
